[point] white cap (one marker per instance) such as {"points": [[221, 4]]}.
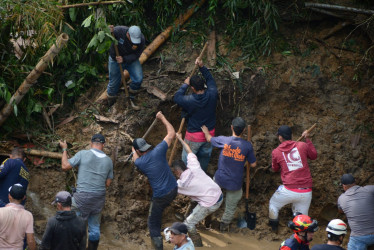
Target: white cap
{"points": [[135, 34]]}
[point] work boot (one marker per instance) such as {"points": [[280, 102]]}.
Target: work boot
{"points": [[157, 243], [196, 239], [111, 100], [224, 226], [92, 245], [274, 225], [134, 91]]}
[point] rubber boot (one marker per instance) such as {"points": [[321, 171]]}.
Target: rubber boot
{"points": [[157, 243], [93, 245], [274, 225], [196, 239], [111, 100]]}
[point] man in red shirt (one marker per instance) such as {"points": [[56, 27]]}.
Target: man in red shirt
{"points": [[291, 159]]}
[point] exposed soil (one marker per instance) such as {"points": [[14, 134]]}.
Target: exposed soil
{"points": [[315, 83]]}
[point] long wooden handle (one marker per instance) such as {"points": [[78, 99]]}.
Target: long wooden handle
{"points": [[200, 56], [249, 137], [175, 142], [308, 131], [150, 128], [121, 70]]}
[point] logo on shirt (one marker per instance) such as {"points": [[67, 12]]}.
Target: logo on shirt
{"points": [[233, 153], [24, 174], [293, 160]]}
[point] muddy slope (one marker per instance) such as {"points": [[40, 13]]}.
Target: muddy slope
{"points": [[312, 84]]}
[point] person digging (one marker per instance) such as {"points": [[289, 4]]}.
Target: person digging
{"points": [[195, 183]]}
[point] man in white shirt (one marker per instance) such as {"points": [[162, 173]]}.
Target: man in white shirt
{"points": [[195, 183]]}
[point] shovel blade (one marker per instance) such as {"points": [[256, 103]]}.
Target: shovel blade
{"points": [[250, 218]]}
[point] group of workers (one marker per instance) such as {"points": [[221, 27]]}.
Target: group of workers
{"points": [[187, 176]]}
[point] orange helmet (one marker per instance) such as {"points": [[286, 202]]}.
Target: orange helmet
{"points": [[302, 223]]}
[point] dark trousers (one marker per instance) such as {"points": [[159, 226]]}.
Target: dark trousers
{"points": [[155, 211]]}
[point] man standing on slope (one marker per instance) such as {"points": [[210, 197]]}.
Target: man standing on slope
{"points": [[95, 174], [357, 203], [131, 43], [195, 183], [291, 158], [153, 163], [201, 109], [229, 175]]}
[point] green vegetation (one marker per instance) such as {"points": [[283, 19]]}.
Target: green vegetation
{"points": [[251, 25]]}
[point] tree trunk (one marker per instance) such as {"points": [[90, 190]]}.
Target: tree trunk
{"points": [[33, 76]]}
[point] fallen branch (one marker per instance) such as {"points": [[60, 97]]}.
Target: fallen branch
{"points": [[48, 154], [338, 7], [33, 76], [78, 5]]}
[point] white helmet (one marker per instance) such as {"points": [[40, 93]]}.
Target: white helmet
{"points": [[337, 227]]}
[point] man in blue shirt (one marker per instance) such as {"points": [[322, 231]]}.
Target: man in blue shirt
{"points": [[201, 109], [153, 163], [95, 174], [229, 175], [12, 171]]}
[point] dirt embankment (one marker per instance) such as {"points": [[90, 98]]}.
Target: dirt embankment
{"points": [[310, 83]]}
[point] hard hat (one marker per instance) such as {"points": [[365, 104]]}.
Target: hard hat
{"points": [[302, 223], [337, 227]]}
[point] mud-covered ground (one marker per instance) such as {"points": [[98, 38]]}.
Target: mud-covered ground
{"points": [[311, 82]]}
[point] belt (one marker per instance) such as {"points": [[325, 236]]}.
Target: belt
{"points": [[220, 198]]}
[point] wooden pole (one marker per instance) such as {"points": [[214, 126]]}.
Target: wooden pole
{"points": [[48, 154], [184, 119], [161, 38], [33, 76], [309, 130], [338, 7], [88, 4]]}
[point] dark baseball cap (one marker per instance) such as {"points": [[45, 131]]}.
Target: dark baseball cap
{"points": [[285, 132], [17, 191], [347, 179], [98, 138], [141, 145], [62, 197], [179, 228]]}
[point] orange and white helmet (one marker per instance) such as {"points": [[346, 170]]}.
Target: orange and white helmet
{"points": [[303, 223], [337, 227]]}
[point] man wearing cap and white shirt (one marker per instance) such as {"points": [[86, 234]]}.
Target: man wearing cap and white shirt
{"points": [[15, 222], [357, 203], [178, 237], [229, 175], [153, 163], [95, 174], [291, 159], [131, 43], [195, 183], [65, 230]]}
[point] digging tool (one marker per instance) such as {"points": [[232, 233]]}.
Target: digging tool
{"points": [[184, 119], [309, 130], [250, 218], [144, 136], [123, 79]]}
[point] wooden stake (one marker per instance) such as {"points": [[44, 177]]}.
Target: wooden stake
{"points": [[78, 5]]}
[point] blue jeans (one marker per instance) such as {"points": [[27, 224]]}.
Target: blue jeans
{"points": [[203, 151], [93, 223], [136, 75], [158, 205], [360, 242]]}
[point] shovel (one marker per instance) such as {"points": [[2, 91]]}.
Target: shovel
{"points": [[124, 81], [249, 218]]}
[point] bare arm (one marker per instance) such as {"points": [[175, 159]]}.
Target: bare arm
{"points": [[64, 160], [108, 182], [254, 164], [31, 241], [185, 145], [169, 128], [206, 133]]}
